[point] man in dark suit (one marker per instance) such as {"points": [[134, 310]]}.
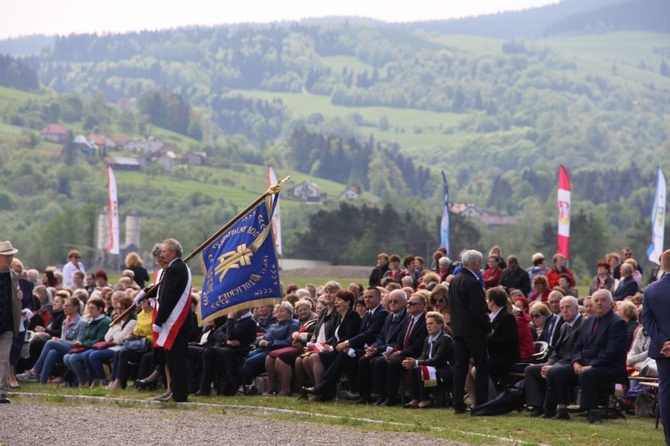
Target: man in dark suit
{"points": [[536, 375], [555, 321], [397, 301], [470, 324], [656, 321], [599, 357], [172, 324], [438, 353], [227, 356], [389, 372]]}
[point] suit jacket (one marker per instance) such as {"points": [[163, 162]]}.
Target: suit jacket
{"points": [[243, 330], [370, 326], [416, 337], [348, 328], [606, 347], [443, 354], [627, 287], [559, 321], [562, 351], [467, 304], [174, 304], [504, 342], [390, 331], [656, 315]]}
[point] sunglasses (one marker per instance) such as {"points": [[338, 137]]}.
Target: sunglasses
{"points": [[535, 316], [411, 304], [395, 301]]}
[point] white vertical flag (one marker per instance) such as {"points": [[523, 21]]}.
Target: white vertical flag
{"points": [[276, 221], [657, 220], [113, 206]]}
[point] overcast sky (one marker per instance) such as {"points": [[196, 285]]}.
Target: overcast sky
{"points": [[25, 17]]}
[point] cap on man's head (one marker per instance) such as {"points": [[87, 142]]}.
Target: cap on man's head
{"points": [[6, 249]]}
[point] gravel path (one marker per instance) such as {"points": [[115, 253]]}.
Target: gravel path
{"points": [[36, 423]]}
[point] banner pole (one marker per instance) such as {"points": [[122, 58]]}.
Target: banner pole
{"points": [[272, 190]]}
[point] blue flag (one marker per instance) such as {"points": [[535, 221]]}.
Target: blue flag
{"points": [[241, 266], [444, 224]]}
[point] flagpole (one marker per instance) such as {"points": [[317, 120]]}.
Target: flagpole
{"points": [[272, 190]]}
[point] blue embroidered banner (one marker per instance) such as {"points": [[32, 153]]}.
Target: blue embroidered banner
{"points": [[240, 266]]}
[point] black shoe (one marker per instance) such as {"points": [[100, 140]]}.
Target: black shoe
{"points": [[364, 399], [388, 402], [4, 399], [548, 414], [250, 390], [594, 417], [316, 390], [309, 390], [203, 392], [430, 405], [459, 409], [561, 414], [536, 412]]}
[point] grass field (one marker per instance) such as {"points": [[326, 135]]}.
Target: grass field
{"points": [[512, 428]]}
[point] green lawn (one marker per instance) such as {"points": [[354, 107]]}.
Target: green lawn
{"points": [[512, 428]]}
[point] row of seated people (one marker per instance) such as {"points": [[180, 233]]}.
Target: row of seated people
{"points": [[374, 351]]}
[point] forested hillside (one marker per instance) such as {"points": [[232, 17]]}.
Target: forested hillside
{"points": [[364, 104]]}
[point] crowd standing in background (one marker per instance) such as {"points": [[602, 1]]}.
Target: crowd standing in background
{"points": [[456, 330]]}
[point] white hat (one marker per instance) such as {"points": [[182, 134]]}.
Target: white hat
{"points": [[6, 249]]}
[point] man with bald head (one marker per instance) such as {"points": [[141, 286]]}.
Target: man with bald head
{"points": [[599, 357], [536, 374]]}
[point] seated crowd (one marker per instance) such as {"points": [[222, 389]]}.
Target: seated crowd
{"points": [[387, 344]]}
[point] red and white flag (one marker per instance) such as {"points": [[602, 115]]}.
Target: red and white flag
{"points": [[563, 212], [113, 205], [276, 222]]}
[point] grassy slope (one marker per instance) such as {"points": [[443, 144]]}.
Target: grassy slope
{"points": [[597, 53]]}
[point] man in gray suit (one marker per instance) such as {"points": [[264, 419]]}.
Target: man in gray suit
{"points": [[536, 375], [656, 321], [10, 313]]}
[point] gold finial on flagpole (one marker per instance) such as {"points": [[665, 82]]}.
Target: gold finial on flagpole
{"points": [[277, 187]]}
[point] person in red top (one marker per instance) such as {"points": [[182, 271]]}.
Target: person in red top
{"points": [[558, 269], [541, 289], [492, 273]]}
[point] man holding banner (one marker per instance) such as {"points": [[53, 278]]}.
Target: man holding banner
{"points": [[172, 323]]}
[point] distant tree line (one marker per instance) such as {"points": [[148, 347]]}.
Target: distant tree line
{"points": [[16, 74]]}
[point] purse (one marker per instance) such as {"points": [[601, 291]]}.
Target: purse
{"points": [[136, 345], [77, 350], [103, 345]]}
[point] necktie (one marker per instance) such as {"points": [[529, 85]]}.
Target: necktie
{"points": [[550, 333], [595, 325], [409, 330], [430, 352]]}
